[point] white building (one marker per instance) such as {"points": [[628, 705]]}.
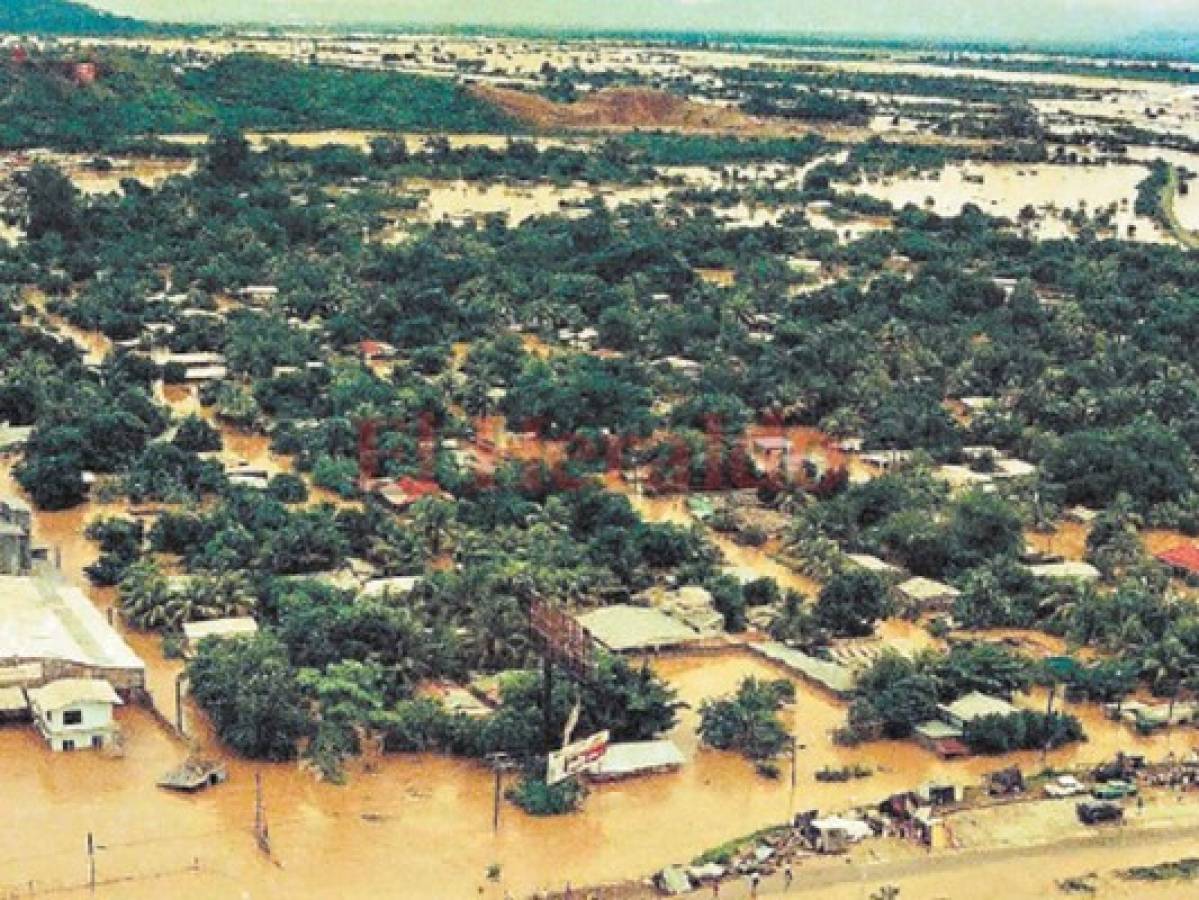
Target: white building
{"points": [[194, 632], [75, 713]]}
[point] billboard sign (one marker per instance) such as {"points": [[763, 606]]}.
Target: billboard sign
{"points": [[574, 759]]}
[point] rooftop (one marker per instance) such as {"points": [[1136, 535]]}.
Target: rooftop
{"points": [[975, 705], [623, 627], [920, 588], [831, 675], [48, 620], [1078, 570], [233, 627], [635, 757], [68, 691], [1184, 556]]}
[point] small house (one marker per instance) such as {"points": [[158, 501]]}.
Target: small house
{"points": [[377, 350], [75, 713], [926, 595], [394, 585], [258, 293], [1182, 560], [941, 738], [1067, 570], [975, 705], [400, 493], [879, 567]]}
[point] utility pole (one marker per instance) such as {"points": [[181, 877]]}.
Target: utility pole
{"points": [[500, 763], [495, 804], [179, 702], [92, 847], [261, 831]]}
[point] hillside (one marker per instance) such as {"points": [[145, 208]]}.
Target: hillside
{"points": [[43, 103], [616, 108], [65, 17]]}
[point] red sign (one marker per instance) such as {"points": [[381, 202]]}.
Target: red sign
{"points": [[581, 756]]}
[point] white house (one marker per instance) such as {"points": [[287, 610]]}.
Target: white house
{"points": [[75, 713]]}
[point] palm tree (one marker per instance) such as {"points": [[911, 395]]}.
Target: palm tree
{"points": [[1166, 664], [433, 518]]}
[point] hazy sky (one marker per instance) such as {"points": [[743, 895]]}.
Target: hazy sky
{"points": [[996, 19]]}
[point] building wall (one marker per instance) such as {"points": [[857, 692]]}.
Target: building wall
{"points": [[96, 721], [31, 672]]}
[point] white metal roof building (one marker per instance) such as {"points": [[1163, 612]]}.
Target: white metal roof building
{"points": [[50, 630], [624, 628], [974, 705]]}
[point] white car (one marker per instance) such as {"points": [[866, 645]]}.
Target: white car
{"points": [[1065, 786]]}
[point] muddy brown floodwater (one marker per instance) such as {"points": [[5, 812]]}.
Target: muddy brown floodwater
{"points": [[420, 825]]}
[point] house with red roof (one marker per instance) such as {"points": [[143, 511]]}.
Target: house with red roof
{"points": [[1183, 560], [374, 350], [400, 493]]}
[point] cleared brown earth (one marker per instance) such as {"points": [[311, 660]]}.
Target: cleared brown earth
{"points": [[623, 109], [618, 107]]}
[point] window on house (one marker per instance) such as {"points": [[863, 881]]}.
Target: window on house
{"points": [[72, 717], [68, 746]]}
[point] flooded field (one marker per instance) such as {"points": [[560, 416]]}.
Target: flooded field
{"points": [[150, 172], [361, 140], [455, 200], [1004, 189]]}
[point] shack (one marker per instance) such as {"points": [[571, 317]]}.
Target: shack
{"points": [[879, 567], [194, 774], [941, 738], [926, 595]]}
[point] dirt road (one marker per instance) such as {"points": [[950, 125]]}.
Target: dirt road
{"points": [[1008, 872]]}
